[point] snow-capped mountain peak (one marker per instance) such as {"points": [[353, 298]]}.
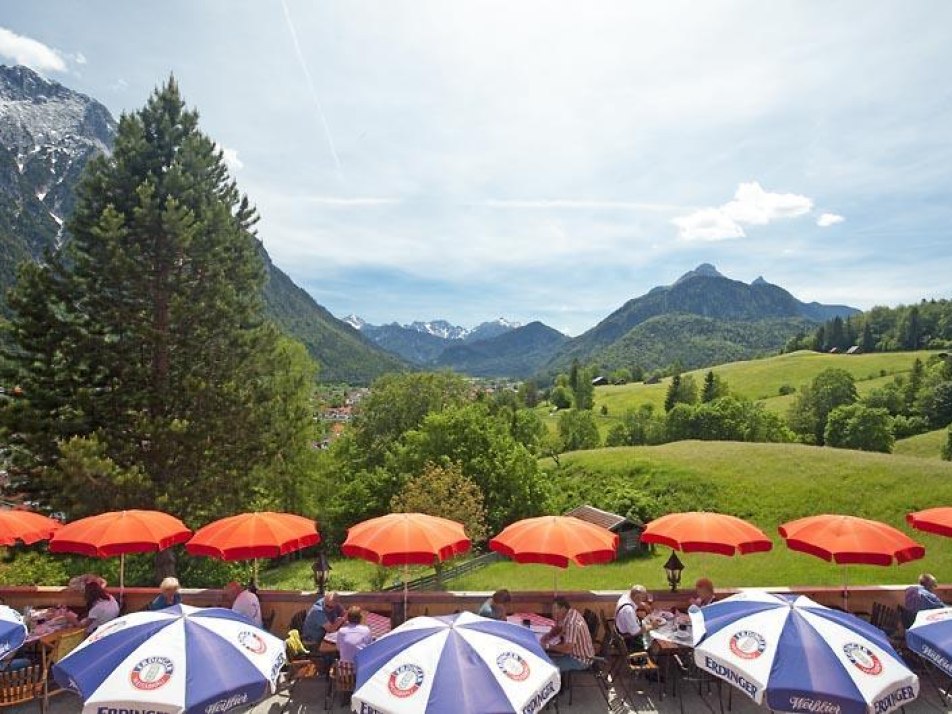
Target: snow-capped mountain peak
{"points": [[358, 323]]}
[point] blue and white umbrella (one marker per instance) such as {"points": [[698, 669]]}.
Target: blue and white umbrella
{"points": [[12, 630], [180, 660], [796, 655], [463, 664], [930, 637]]}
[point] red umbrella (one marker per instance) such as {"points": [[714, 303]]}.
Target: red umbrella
{"points": [[704, 532], [254, 535], [556, 540], [25, 526], [847, 540], [119, 533], [405, 539], [932, 520]]}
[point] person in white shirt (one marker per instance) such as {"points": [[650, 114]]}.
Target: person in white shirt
{"points": [[244, 602], [100, 606], [629, 624], [352, 637]]}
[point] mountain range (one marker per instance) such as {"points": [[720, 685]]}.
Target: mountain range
{"points": [[47, 135]]}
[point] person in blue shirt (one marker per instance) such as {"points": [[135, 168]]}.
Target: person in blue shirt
{"points": [[326, 615], [168, 597], [922, 596]]}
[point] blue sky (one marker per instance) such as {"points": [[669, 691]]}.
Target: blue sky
{"points": [[550, 160]]}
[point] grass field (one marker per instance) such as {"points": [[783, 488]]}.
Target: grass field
{"points": [[923, 446], [759, 380], [345, 574], [767, 484]]}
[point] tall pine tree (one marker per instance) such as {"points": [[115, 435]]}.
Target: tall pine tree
{"points": [[145, 336]]}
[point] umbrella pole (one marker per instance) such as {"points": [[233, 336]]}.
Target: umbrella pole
{"points": [[406, 576], [122, 577], [846, 588]]}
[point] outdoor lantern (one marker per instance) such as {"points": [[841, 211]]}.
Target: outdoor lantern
{"points": [[321, 568], [673, 569]]}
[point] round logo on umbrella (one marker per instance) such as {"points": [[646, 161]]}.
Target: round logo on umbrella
{"points": [[863, 658], [151, 673], [513, 666], [747, 644], [252, 642], [405, 680], [938, 616]]}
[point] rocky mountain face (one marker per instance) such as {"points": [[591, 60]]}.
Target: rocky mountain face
{"points": [[48, 133], [771, 316]]}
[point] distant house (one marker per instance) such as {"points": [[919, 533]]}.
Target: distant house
{"points": [[599, 381], [629, 532], [834, 350], [854, 350], [653, 379]]}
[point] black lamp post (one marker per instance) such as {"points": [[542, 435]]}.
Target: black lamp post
{"points": [[321, 569], [673, 569]]}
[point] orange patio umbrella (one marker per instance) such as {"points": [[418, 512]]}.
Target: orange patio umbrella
{"points": [[705, 532], [26, 526], [118, 533], [848, 540], [406, 539], [249, 536], [932, 520], [556, 540]]}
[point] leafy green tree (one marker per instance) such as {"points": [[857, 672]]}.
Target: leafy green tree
{"points": [[808, 414], [637, 426], [714, 387], [529, 394], [621, 376], [584, 390], [867, 343], [505, 471], [446, 492], [528, 429], [144, 337], [856, 426], [578, 431], [682, 390], [560, 397], [935, 404]]}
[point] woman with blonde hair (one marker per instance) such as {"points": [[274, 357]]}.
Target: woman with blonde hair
{"points": [[168, 597]]}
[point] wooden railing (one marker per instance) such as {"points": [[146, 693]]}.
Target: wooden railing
{"points": [[285, 603], [433, 582]]}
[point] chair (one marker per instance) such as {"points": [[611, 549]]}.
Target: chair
{"points": [[268, 620], [22, 685], [297, 620], [591, 620], [52, 652], [690, 673], [298, 666], [342, 679], [907, 617]]}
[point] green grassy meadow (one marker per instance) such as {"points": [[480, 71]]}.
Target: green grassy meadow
{"points": [[767, 484], [923, 446]]}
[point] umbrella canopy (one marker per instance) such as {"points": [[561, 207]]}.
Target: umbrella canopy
{"points": [[794, 654], [12, 630], [930, 637], [847, 540], [25, 526], [556, 540], [181, 660], [932, 520], [120, 533], [463, 663], [405, 539], [254, 535], [704, 532]]}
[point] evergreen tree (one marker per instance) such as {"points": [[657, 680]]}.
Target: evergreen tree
{"points": [[670, 399], [866, 341], [714, 387], [145, 334]]}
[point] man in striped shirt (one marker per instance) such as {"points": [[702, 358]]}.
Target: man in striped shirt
{"points": [[574, 650]]}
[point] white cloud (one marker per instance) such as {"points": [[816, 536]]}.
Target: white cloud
{"points": [[30, 52], [829, 219], [79, 58], [231, 159], [120, 85], [752, 206]]}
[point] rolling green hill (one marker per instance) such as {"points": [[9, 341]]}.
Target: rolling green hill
{"points": [[767, 484], [923, 446]]}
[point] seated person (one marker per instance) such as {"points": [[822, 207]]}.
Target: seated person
{"points": [[575, 650], [101, 607], [630, 625], [326, 615], [352, 635], [168, 597], [244, 602], [495, 606], [922, 596], [704, 592]]}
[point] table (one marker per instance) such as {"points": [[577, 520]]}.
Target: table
{"points": [[668, 640], [539, 624]]}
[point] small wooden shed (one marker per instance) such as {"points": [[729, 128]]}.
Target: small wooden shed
{"points": [[629, 532]]}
